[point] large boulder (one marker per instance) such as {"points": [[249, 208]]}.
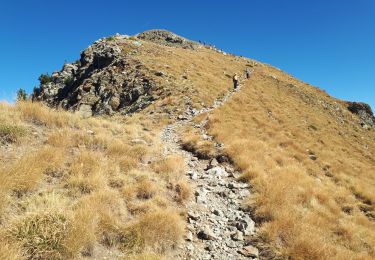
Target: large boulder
{"points": [[364, 112]]}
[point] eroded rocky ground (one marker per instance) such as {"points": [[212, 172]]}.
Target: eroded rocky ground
{"points": [[217, 221]]}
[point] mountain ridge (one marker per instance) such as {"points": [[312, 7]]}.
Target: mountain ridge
{"points": [[69, 85]]}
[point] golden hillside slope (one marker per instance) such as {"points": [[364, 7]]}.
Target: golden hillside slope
{"points": [[73, 188], [312, 167]]}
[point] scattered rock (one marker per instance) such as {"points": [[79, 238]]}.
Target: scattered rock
{"points": [[182, 117], [206, 234], [249, 251], [189, 236], [238, 236], [193, 216], [139, 141], [217, 212]]}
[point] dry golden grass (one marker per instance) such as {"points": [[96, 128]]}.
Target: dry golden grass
{"points": [[159, 230], [75, 183], [9, 252], [309, 209], [39, 114], [11, 133], [171, 167]]}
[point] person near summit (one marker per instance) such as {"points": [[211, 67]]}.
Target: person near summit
{"points": [[235, 81], [248, 72]]}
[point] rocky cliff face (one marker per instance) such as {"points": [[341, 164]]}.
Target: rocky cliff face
{"points": [[364, 112], [103, 81]]}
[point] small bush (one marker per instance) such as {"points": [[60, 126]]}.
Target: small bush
{"points": [[68, 81], [41, 235], [110, 38], [11, 133], [21, 95], [44, 79], [160, 231], [183, 191]]}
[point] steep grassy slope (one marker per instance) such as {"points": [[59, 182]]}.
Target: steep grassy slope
{"points": [[311, 165]]}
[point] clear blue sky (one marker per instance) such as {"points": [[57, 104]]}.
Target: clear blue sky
{"points": [[328, 43]]}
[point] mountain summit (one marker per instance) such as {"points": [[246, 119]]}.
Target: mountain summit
{"points": [[153, 146]]}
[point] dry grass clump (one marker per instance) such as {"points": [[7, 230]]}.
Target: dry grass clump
{"points": [[11, 133], [312, 185], [170, 167], [160, 231], [183, 191], [41, 235], [203, 149]]}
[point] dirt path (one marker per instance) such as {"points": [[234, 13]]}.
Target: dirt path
{"points": [[217, 224]]}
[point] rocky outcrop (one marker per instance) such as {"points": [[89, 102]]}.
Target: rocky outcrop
{"points": [[364, 112], [167, 38], [105, 80]]}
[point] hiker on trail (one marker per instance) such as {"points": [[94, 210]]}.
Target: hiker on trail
{"points": [[235, 81], [248, 72]]}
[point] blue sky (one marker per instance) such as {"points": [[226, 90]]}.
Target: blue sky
{"points": [[330, 44]]}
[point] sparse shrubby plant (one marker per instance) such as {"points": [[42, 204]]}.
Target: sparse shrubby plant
{"points": [[44, 79], [68, 81], [110, 38], [21, 95], [11, 133]]}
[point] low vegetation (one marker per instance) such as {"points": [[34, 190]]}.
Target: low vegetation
{"points": [[11, 133], [73, 186], [44, 79]]}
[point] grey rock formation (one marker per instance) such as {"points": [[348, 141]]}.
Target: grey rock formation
{"points": [[167, 38], [105, 80], [364, 112]]}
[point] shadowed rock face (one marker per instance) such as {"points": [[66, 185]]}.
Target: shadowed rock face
{"points": [[167, 38], [363, 110], [105, 80]]}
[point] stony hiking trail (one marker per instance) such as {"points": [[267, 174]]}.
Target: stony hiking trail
{"points": [[217, 222]]}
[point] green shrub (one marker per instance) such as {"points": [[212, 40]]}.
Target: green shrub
{"points": [[11, 133], [110, 38], [44, 79], [21, 95], [68, 81]]}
